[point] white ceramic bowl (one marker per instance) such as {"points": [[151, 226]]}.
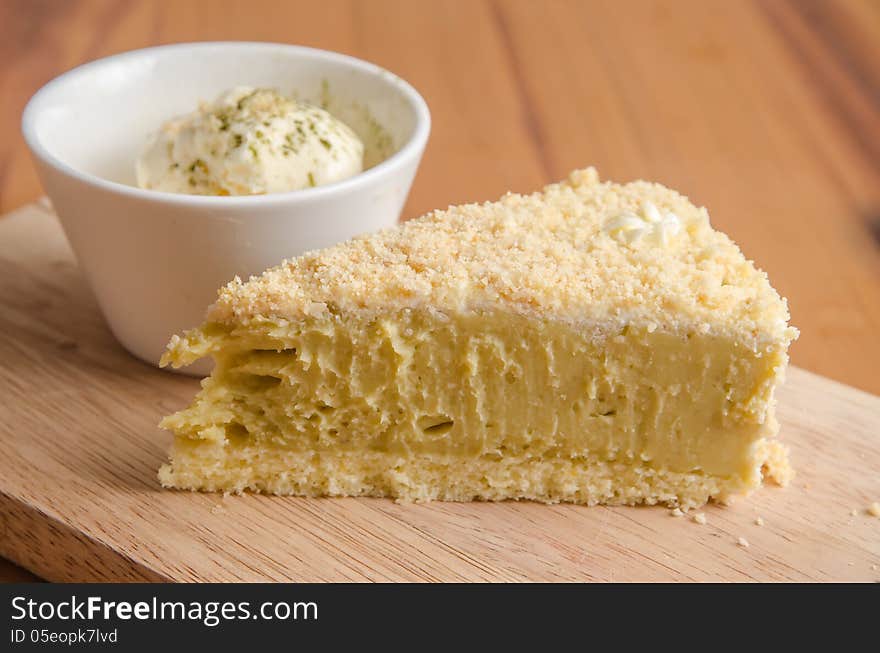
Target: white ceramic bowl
{"points": [[155, 260]]}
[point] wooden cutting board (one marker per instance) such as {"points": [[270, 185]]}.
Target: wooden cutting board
{"points": [[79, 499]]}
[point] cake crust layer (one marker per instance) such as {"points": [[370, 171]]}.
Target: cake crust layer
{"points": [[368, 474]]}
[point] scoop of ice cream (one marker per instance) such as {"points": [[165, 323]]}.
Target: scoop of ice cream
{"points": [[249, 142]]}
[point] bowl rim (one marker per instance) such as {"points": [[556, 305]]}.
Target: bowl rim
{"points": [[413, 147]]}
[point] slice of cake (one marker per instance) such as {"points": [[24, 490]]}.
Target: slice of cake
{"points": [[593, 342]]}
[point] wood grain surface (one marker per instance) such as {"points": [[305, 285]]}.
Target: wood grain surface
{"points": [[79, 498], [766, 111]]}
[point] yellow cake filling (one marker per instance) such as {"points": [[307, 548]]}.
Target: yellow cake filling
{"points": [[389, 405]]}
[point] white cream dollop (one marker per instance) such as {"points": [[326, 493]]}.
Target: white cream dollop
{"points": [[249, 142], [650, 223]]}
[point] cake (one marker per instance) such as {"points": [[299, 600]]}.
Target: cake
{"points": [[596, 343]]}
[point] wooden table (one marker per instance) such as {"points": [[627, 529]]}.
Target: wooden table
{"points": [[767, 112]]}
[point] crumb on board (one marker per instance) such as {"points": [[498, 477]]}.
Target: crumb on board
{"points": [[700, 518], [676, 512], [743, 542], [853, 512], [759, 521], [874, 509]]}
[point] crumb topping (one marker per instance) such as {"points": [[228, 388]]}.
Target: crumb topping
{"points": [[555, 254]]}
